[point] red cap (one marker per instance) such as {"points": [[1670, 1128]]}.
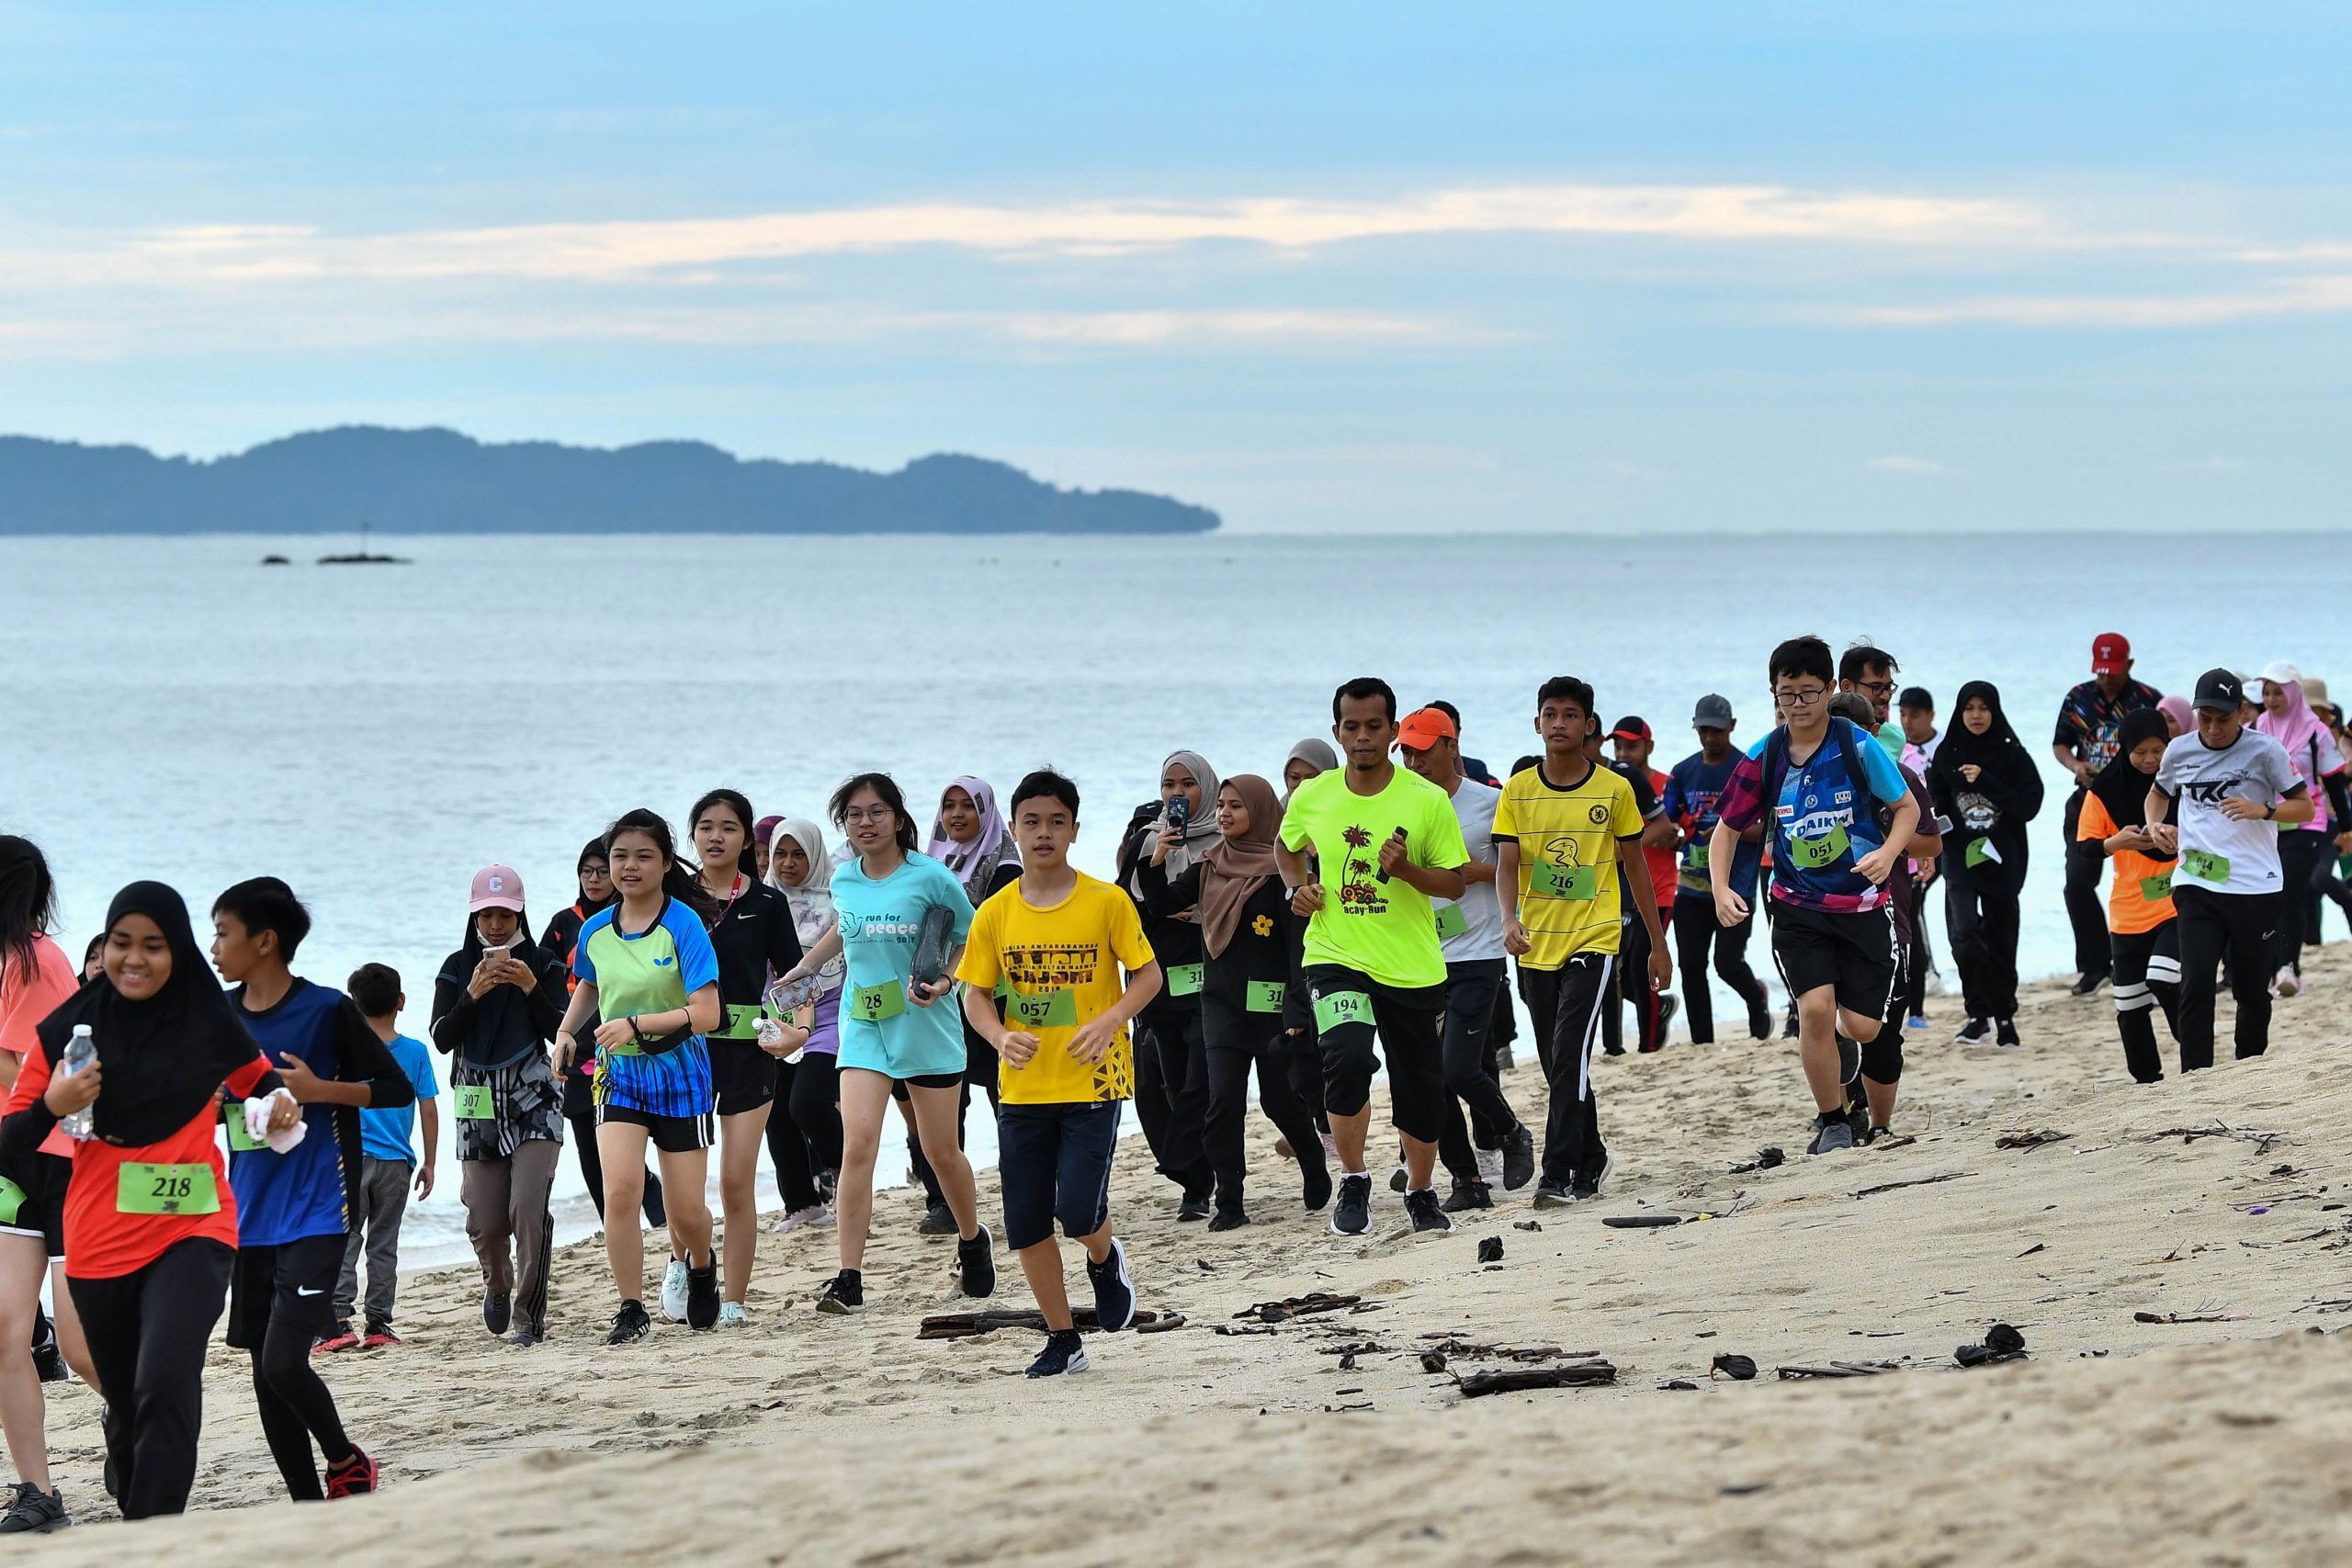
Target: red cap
{"points": [[1631, 728], [496, 887], [2110, 653], [1424, 728]]}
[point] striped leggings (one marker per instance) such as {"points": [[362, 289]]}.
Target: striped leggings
{"points": [[2147, 976]]}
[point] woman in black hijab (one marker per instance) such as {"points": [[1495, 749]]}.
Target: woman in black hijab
{"points": [[150, 1225], [1984, 780]]}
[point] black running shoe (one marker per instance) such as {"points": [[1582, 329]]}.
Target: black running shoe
{"points": [[1228, 1220], [629, 1324], [2090, 984], [976, 1264], [1398, 1180], [938, 1220], [1551, 1195], [1586, 1187], [1759, 1024], [1467, 1195], [1064, 1353], [844, 1294], [701, 1294], [1195, 1207], [497, 1310], [1519, 1159], [33, 1512], [1114, 1292], [2005, 1034], [1352, 1214], [1975, 1032], [47, 1360], [1832, 1132], [1789, 1025], [1314, 1186], [1427, 1213]]}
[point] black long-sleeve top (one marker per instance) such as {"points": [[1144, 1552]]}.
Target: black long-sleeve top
{"points": [[1266, 946]]}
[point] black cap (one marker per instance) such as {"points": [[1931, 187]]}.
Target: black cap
{"points": [[1915, 697], [2220, 691]]}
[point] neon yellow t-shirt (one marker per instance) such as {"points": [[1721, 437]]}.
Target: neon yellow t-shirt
{"points": [[1061, 967], [1567, 860], [1386, 930]]}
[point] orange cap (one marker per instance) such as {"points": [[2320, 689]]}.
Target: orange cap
{"points": [[1424, 728]]}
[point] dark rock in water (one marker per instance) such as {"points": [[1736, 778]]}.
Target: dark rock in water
{"points": [[276, 560]]}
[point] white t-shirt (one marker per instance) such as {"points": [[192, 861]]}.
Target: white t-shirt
{"points": [[2218, 852], [1481, 913]]}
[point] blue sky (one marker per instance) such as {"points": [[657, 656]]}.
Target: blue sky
{"points": [[1357, 266]]}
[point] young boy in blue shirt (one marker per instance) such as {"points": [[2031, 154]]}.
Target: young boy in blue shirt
{"points": [[387, 1163]]}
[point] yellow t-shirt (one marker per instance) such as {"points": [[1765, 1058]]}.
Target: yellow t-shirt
{"points": [[1061, 965], [1567, 860], [1386, 930]]}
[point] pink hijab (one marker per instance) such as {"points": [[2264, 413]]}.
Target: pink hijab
{"points": [[2298, 727]]}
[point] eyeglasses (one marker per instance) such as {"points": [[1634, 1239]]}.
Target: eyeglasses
{"points": [[868, 813], [1803, 697], [1876, 688]]}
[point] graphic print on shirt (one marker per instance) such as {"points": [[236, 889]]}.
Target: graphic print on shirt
{"points": [[1058, 970], [1360, 892]]}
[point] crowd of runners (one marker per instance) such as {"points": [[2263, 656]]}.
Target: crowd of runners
{"points": [[173, 1151]]}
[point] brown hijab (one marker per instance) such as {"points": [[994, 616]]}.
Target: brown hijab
{"points": [[1233, 869]]}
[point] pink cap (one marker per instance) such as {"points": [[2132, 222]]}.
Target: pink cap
{"points": [[496, 887]]}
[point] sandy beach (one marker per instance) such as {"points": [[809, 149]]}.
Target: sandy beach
{"points": [[804, 1438]]}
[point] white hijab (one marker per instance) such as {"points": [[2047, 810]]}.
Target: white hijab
{"points": [[812, 902]]}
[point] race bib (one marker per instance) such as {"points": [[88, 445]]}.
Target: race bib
{"points": [[12, 1198], [1267, 995], [144, 1189], [1045, 1010], [2205, 865], [232, 1117], [1578, 884], [1184, 979], [2157, 889], [872, 1004], [1695, 857], [476, 1102], [1814, 852], [1341, 1008], [1451, 921], [743, 1021], [1977, 852]]}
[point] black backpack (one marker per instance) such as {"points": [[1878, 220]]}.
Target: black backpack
{"points": [[1842, 731]]}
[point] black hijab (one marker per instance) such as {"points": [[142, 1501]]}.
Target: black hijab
{"points": [[2007, 777], [501, 1031], [2122, 788], [164, 1058]]}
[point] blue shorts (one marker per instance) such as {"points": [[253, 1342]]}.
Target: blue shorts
{"points": [[1054, 1162]]}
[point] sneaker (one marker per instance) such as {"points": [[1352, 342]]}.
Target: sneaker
{"points": [[844, 1294], [523, 1339], [702, 1294], [629, 1324], [1789, 1025], [1490, 1166], [1399, 1180], [1228, 1220], [1832, 1134], [813, 1215], [34, 1512], [733, 1314], [1975, 1032], [2090, 984], [379, 1338], [1759, 1024], [1114, 1292], [341, 1339], [354, 1477], [1878, 1133], [497, 1309], [1352, 1214], [976, 1264], [1427, 1213], [2286, 983], [673, 1294], [1064, 1353], [1519, 1159], [1549, 1195], [48, 1361], [1917, 1021], [938, 1220], [1195, 1207], [1590, 1186], [1467, 1195], [1315, 1187], [2005, 1037]]}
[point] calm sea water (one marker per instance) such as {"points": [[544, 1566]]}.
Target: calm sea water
{"points": [[374, 735]]}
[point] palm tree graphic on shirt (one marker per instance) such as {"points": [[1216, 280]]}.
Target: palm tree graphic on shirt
{"points": [[1356, 885]]}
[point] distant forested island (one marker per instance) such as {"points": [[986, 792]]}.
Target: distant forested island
{"points": [[439, 482]]}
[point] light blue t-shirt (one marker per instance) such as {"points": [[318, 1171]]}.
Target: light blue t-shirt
{"points": [[391, 1134], [881, 1030]]}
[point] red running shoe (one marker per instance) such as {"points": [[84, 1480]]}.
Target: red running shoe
{"points": [[341, 1339], [379, 1338], [353, 1477]]}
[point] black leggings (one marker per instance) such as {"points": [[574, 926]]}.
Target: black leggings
{"points": [[1185, 1081], [1982, 915], [1630, 981], [1233, 1042], [1695, 929], [812, 1103], [2147, 976], [296, 1406], [148, 1331], [1467, 1056], [980, 1067], [796, 1176], [2303, 858], [2241, 926], [592, 1166]]}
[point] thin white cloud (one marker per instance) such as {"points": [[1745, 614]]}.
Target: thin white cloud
{"points": [[2320, 296], [629, 251], [1898, 464]]}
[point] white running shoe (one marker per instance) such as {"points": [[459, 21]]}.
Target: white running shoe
{"points": [[813, 1215], [673, 1290], [733, 1311]]}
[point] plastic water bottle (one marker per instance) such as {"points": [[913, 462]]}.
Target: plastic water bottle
{"points": [[80, 1052]]}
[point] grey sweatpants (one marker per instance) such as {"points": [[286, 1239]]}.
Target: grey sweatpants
{"points": [[376, 1215], [507, 1220]]}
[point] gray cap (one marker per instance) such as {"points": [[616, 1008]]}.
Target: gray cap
{"points": [[1713, 713]]}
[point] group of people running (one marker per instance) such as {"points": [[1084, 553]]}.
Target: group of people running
{"points": [[170, 1148]]}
